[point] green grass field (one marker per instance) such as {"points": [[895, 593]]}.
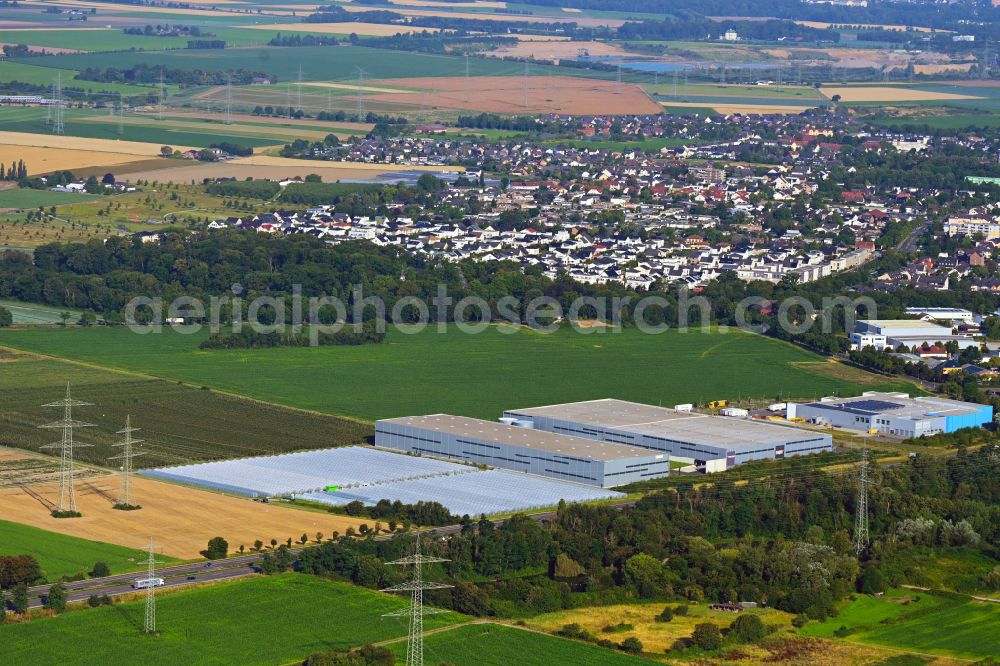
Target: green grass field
{"points": [[498, 645], [32, 313], [25, 198], [474, 375], [179, 423], [261, 620], [919, 621], [61, 555]]}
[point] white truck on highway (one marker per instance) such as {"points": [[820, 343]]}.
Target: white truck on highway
{"points": [[146, 583]]}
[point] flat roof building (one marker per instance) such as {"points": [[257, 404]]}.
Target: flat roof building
{"points": [[714, 443], [894, 414], [881, 333], [523, 449]]}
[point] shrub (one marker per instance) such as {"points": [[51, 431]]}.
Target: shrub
{"points": [[800, 620], [666, 615], [631, 645]]}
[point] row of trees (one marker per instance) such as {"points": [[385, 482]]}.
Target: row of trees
{"points": [[16, 171], [784, 543]]}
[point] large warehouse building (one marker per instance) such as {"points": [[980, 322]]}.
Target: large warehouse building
{"points": [[894, 414], [713, 443], [549, 454]]}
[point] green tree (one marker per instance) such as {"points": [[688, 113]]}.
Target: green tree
{"points": [[218, 549], [646, 574], [748, 629], [707, 636], [100, 570], [56, 598], [19, 599], [871, 580], [6, 318]]}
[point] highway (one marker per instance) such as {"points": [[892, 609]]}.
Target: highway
{"points": [[202, 571]]}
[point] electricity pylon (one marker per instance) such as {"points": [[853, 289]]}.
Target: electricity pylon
{"points": [[228, 118], [361, 97], [57, 123], [126, 457], [861, 510], [161, 95], [149, 626], [67, 498], [416, 610]]}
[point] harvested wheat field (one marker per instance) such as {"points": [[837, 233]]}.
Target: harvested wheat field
{"points": [[729, 109], [474, 4], [506, 94], [356, 87], [367, 29], [887, 94], [43, 153], [183, 519], [558, 50], [485, 16], [106, 8], [822, 25], [271, 168]]}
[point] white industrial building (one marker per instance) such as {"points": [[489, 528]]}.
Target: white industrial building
{"points": [[891, 333], [711, 443]]}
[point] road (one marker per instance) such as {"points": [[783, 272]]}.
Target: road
{"points": [[203, 571], [909, 243]]}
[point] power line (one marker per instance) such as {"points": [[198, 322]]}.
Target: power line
{"points": [[126, 457], [67, 497], [57, 125], [466, 78], [416, 610], [525, 102]]}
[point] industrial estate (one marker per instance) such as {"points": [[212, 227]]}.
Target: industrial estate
{"points": [[480, 333]]}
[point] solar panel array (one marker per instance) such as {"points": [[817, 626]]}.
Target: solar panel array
{"points": [[489, 492], [309, 471]]}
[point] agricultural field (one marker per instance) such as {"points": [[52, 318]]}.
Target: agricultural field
{"points": [[213, 426], [136, 128], [45, 76], [181, 518], [221, 623], [47, 153], [924, 622], [60, 555], [488, 644], [515, 94], [318, 63], [390, 379], [850, 94]]}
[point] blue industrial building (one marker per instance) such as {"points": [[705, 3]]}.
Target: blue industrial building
{"points": [[894, 414]]}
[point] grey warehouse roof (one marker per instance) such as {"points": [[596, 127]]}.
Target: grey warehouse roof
{"points": [[491, 431], [690, 427]]}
